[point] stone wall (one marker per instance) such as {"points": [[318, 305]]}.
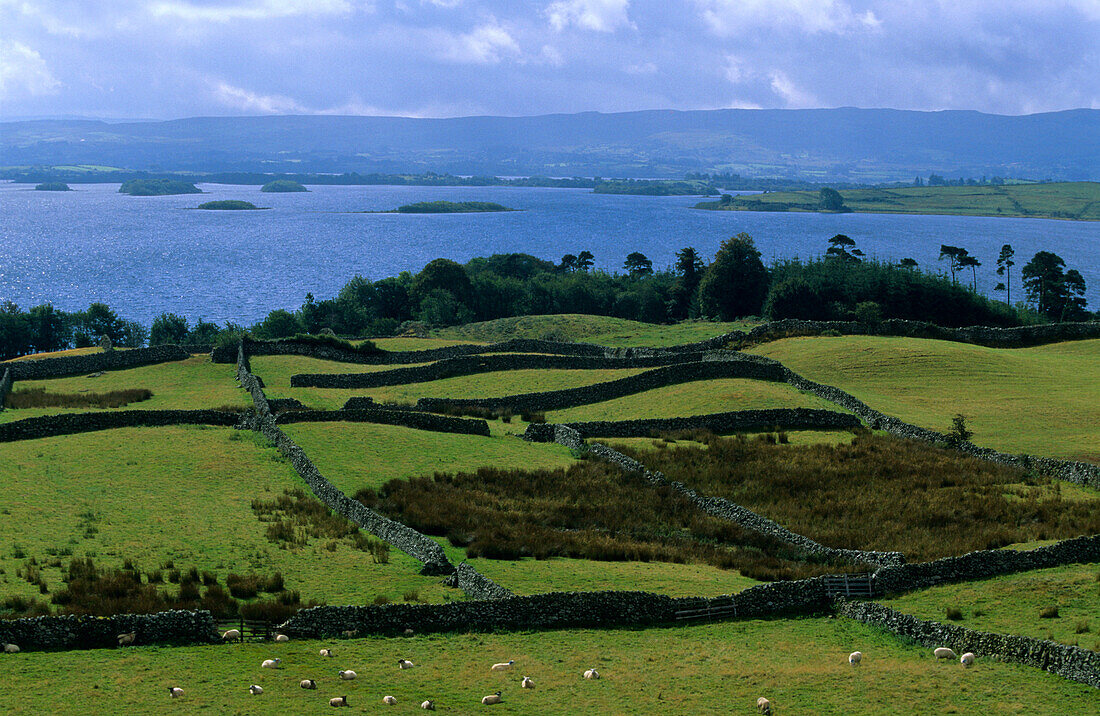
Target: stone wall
{"points": [[1069, 662], [72, 423], [94, 362], [476, 585], [721, 423], [89, 632], [404, 418], [5, 386]]}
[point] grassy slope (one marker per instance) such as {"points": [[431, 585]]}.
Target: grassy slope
{"points": [[57, 354], [358, 455], [800, 665], [183, 385], [1011, 604], [1064, 200], [1040, 400], [697, 398], [178, 493], [603, 330]]}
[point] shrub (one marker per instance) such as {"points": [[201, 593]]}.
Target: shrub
{"points": [[381, 599], [1082, 627], [1049, 613], [954, 614]]}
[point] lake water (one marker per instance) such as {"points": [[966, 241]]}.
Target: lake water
{"points": [[145, 255]]}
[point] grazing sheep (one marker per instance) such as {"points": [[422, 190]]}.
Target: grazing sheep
{"points": [[127, 639], [175, 691], [389, 700], [944, 653], [527, 683], [404, 664], [11, 649], [326, 652], [967, 659], [492, 699], [282, 638], [255, 689], [502, 667], [347, 675], [307, 684], [591, 674], [855, 657], [339, 701], [271, 663], [410, 632], [427, 705], [764, 706], [350, 633], [231, 634]]}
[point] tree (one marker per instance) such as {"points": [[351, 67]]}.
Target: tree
{"points": [[47, 326], [908, 263], [689, 266], [1058, 295], [99, 320], [1004, 268], [736, 282], [838, 248], [585, 259], [568, 263], [203, 333], [278, 324], [637, 265], [830, 199], [973, 263], [954, 256], [959, 433], [168, 328]]}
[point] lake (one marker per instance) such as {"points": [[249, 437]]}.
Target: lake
{"points": [[146, 255]]}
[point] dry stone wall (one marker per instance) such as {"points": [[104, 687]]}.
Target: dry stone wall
{"points": [[405, 418], [476, 585], [729, 422], [5, 386], [94, 362], [91, 632], [72, 423]]}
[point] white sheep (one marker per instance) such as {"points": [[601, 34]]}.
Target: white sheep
{"points": [[175, 691], [428, 705], [339, 701], [231, 634], [347, 675], [350, 633], [591, 674], [404, 664], [502, 667], [255, 689], [282, 638], [392, 701], [764, 706], [492, 699], [967, 659], [527, 683], [271, 663], [326, 652], [307, 684], [127, 639], [11, 649], [944, 653], [855, 657]]}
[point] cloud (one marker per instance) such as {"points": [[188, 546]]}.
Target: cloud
{"points": [[792, 95], [598, 15], [256, 10], [641, 68], [736, 17], [23, 72], [243, 100], [485, 45]]}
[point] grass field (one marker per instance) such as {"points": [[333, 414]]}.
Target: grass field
{"points": [[604, 330], [1012, 604], [1042, 400], [696, 398], [57, 354], [1062, 200], [181, 385], [799, 664], [173, 493], [358, 455]]}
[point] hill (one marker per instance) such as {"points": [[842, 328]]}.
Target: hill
{"points": [[157, 187]]}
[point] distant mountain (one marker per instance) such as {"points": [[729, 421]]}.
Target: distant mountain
{"points": [[868, 145]]}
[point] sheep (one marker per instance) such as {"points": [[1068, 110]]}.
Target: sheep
{"points": [[410, 632], [339, 701], [502, 667], [855, 657], [944, 653], [428, 705], [591, 674], [175, 691], [492, 699], [967, 659], [271, 663], [326, 652], [11, 649], [347, 675], [231, 634], [255, 689], [392, 701], [527, 683], [127, 639], [764, 706], [307, 684], [282, 638], [404, 664], [350, 633]]}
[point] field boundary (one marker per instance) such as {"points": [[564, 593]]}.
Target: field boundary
{"points": [[42, 368], [82, 631], [46, 426], [404, 418], [718, 423], [5, 387]]}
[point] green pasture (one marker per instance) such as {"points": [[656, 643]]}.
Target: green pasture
{"points": [[794, 437], [357, 455], [696, 398], [604, 330], [1013, 603], [173, 493], [411, 343], [1043, 400], [801, 665]]}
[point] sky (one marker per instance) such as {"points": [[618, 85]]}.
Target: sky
{"points": [[164, 59]]}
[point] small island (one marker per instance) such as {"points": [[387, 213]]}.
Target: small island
{"points": [[283, 186], [53, 186], [449, 207], [656, 187], [157, 187], [229, 205]]}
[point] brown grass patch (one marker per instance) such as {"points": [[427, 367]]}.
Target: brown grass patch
{"points": [[39, 398]]}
